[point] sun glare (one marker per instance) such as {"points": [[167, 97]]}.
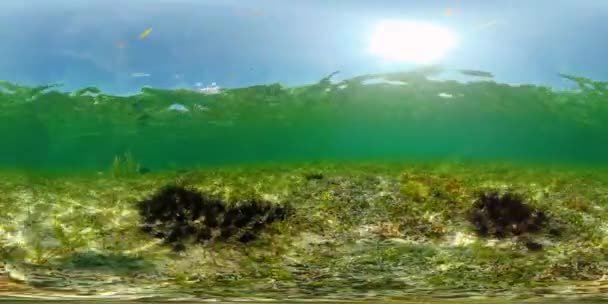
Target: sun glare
{"points": [[411, 41]]}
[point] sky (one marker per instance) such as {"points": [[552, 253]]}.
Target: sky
{"points": [[240, 43]]}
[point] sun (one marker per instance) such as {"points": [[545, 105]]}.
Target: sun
{"points": [[411, 41]]}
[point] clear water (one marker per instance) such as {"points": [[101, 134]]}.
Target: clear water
{"points": [[313, 104]]}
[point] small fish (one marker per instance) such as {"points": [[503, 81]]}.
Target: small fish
{"points": [[137, 75], [120, 44], [249, 12], [202, 108], [488, 24], [476, 73], [144, 170], [145, 33]]}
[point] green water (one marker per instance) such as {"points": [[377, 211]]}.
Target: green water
{"points": [[42, 128]]}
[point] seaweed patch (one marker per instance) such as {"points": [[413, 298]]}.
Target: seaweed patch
{"points": [[177, 214], [504, 215]]}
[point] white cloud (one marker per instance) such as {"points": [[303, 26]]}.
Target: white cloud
{"points": [[382, 80], [137, 75], [178, 107]]}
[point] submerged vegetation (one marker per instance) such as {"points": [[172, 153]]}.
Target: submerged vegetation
{"points": [[125, 166], [393, 115], [322, 230]]}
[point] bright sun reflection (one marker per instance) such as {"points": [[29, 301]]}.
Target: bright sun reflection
{"points": [[411, 41]]}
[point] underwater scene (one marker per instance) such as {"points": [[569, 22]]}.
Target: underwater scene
{"points": [[303, 151]]}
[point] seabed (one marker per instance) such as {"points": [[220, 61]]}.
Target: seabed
{"points": [[410, 233]]}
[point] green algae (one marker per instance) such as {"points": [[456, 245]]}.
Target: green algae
{"points": [[125, 166], [45, 128]]}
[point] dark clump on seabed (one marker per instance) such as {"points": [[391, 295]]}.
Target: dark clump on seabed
{"points": [[176, 215], [144, 170], [313, 176], [504, 215]]}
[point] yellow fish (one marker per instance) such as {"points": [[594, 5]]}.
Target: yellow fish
{"points": [[145, 33]]}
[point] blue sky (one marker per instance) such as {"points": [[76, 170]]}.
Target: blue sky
{"points": [[239, 43]]}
